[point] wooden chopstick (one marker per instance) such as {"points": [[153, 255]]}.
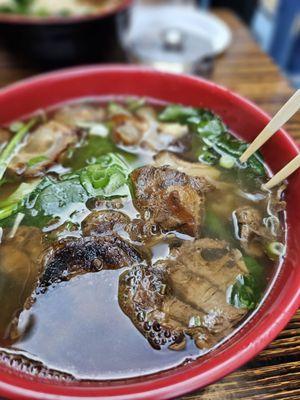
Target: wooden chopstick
{"points": [[283, 115], [285, 172]]}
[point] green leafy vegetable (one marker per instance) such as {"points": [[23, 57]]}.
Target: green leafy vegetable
{"points": [[257, 271], [214, 226], [60, 198], [177, 113], [242, 294], [13, 203], [247, 290], [217, 141], [55, 199], [9, 151], [107, 177], [92, 149]]}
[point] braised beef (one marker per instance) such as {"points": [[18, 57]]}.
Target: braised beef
{"points": [[143, 129], [251, 231], [171, 199], [42, 148], [20, 258], [105, 222], [76, 115], [92, 254], [186, 294]]}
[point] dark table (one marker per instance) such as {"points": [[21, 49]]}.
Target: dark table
{"points": [[274, 373]]}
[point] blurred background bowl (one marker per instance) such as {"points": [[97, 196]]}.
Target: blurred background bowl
{"points": [[62, 41]]}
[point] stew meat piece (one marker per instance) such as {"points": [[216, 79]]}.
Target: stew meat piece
{"points": [[171, 199], [184, 295], [43, 147], [104, 246]]}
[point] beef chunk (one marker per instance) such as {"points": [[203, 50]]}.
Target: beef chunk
{"points": [[20, 259], [186, 294], [128, 130], [43, 147], [141, 297], [91, 254], [276, 204], [171, 199], [143, 129], [75, 115], [202, 272], [251, 231], [111, 222], [105, 222]]}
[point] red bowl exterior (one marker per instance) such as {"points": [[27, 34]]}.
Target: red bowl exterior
{"points": [[246, 120]]}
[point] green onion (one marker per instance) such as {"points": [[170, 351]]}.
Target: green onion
{"points": [[117, 109], [8, 152], [227, 162], [36, 160], [134, 104], [195, 321], [16, 126], [275, 250]]}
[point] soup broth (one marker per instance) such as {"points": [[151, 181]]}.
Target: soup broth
{"points": [[132, 238]]}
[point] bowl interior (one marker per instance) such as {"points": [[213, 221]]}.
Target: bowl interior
{"points": [[246, 121]]}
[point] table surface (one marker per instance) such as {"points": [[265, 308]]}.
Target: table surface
{"points": [[244, 68]]}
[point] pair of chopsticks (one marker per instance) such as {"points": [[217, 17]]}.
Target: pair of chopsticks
{"points": [[284, 114]]}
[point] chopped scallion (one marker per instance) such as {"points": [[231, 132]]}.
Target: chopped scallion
{"points": [[275, 250], [36, 160], [195, 321], [16, 126], [227, 162]]}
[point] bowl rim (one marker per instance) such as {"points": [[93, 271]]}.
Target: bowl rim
{"points": [[20, 19], [180, 381]]}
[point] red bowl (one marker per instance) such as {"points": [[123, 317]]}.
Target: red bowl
{"points": [[246, 120]]}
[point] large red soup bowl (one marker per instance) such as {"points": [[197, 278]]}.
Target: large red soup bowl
{"points": [[246, 120]]}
